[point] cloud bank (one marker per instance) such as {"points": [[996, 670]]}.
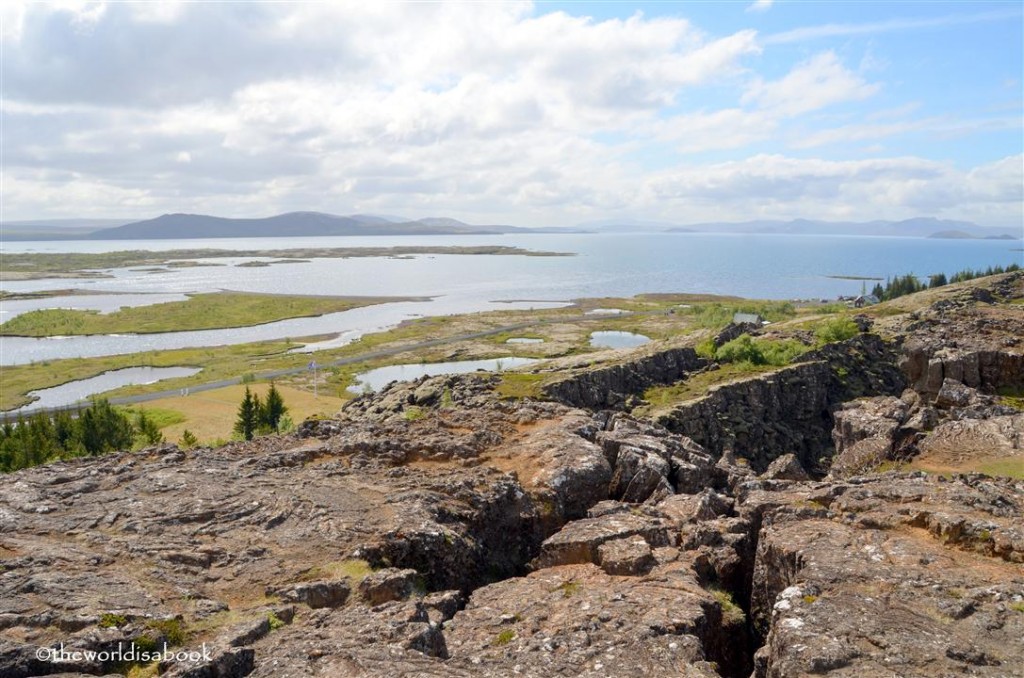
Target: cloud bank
{"points": [[489, 112]]}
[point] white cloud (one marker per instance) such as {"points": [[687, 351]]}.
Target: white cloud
{"points": [[888, 26], [776, 186], [490, 112], [816, 83], [760, 5]]}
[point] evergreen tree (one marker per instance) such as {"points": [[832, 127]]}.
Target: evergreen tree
{"points": [[147, 429], [188, 440], [248, 415], [273, 409], [937, 280], [102, 429], [66, 430]]}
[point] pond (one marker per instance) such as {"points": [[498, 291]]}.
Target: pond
{"points": [[617, 339], [524, 340], [78, 391], [376, 379]]}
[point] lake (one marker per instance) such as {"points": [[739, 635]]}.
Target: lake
{"points": [[762, 266], [376, 379], [79, 391]]}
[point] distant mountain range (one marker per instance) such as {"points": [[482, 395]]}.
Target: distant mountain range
{"points": [[920, 227], [312, 224], [291, 224]]}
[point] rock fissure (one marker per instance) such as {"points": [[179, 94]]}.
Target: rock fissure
{"points": [[488, 538]]}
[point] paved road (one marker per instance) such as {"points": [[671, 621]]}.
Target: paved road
{"points": [[370, 355]]}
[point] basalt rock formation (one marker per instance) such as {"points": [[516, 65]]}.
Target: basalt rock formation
{"points": [[434, 529]]}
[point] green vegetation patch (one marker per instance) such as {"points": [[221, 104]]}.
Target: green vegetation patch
{"points": [[746, 349], [110, 620], [717, 315], [1007, 468], [836, 329], [352, 569], [731, 612], [517, 385], [697, 385], [1013, 397], [505, 637], [569, 588], [200, 312]]}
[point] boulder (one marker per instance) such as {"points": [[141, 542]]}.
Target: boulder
{"points": [[389, 584], [317, 594], [631, 556], [786, 467]]}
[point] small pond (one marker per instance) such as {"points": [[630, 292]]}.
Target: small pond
{"points": [[617, 339], [380, 377], [78, 391], [524, 340]]}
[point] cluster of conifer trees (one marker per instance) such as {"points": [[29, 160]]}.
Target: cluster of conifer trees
{"points": [[102, 428], [98, 429], [258, 417], [908, 284]]}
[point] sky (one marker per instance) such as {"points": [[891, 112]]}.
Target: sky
{"points": [[528, 114]]}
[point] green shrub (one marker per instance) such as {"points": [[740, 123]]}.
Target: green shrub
{"points": [[109, 620], [188, 440], [275, 622], [745, 349], [505, 637], [836, 329], [706, 349], [741, 349]]}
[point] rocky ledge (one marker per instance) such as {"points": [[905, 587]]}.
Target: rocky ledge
{"points": [[435, 529]]}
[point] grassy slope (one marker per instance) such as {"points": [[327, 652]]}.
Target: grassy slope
{"points": [[200, 312], [210, 415]]}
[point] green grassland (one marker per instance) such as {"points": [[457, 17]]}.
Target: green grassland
{"points": [[565, 330], [199, 312]]}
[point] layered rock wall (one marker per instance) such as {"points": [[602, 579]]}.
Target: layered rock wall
{"points": [[610, 386]]}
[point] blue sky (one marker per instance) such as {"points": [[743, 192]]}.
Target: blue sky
{"points": [[531, 114]]}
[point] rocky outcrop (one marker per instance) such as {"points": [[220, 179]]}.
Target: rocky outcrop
{"points": [[865, 433], [963, 425], [436, 530], [927, 367], [762, 418], [790, 410], [610, 386], [968, 338], [901, 575]]}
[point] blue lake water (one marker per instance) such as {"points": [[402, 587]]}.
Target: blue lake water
{"points": [[761, 266]]}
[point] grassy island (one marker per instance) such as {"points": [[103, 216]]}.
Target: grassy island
{"points": [[39, 265], [217, 310]]}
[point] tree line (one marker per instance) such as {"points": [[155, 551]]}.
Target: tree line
{"points": [[98, 429], [908, 284], [102, 428]]}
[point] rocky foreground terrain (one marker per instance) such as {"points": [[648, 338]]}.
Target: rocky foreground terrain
{"points": [[435, 529]]}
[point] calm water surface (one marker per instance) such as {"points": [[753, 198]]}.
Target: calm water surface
{"points": [[78, 391], [377, 379], [763, 266], [614, 339]]}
